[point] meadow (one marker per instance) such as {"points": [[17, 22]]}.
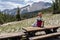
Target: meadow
{"points": [[49, 19]]}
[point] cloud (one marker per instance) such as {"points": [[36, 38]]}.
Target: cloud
{"points": [[15, 1], [9, 4], [38, 0], [28, 2]]}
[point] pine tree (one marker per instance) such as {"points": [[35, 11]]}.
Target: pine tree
{"points": [[18, 17], [59, 5], [55, 7]]}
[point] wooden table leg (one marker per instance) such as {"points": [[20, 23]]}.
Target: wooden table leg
{"points": [[15, 38], [29, 34], [48, 31], [55, 30]]}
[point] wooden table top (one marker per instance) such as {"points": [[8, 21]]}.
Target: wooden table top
{"points": [[38, 28], [8, 35]]}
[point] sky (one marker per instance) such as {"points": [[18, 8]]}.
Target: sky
{"points": [[10, 4]]}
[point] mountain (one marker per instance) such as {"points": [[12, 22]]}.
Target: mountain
{"points": [[29, 8], [10, 11], [39, 6]]}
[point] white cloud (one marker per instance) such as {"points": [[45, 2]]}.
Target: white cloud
{"points": [[9, 5], [14, 4], [39, 0]]}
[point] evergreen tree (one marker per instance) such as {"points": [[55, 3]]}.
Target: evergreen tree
{"points": [[18, 17], [55, 6], [59, 5]]}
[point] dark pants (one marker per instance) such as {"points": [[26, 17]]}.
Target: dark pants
{"points": [[48, 31]]}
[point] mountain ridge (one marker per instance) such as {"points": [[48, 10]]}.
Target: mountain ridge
{"points": [[29, 8]]}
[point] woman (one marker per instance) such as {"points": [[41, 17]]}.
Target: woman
{"points": [[39, 21]]}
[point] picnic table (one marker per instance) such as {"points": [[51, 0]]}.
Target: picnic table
{"points": [[30, 31]]}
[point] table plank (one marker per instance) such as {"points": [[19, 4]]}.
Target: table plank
{"points": [[50, 27], [28, 29], [7, 35], [32, 28]]}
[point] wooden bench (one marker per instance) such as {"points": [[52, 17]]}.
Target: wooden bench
{"points": [[45, 36], [11, 36], [30, 31]]}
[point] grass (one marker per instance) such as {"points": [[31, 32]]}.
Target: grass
{"points": [[49, 19]]}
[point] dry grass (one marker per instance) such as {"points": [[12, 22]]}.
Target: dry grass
{"points": [[17, 26]]}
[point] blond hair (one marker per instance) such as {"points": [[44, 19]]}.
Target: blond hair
{"points": [[40, 14]]}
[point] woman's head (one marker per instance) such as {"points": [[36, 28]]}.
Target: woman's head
{"points": [[40, 14]]}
